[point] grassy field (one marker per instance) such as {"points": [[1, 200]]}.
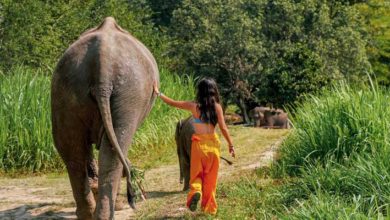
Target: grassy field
{"points": [[334, 165], [339, 154], [26, 143]]}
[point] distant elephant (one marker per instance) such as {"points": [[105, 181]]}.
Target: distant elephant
{"points": [[276, 118], [257, 115], [102, 90], [183, 134]]}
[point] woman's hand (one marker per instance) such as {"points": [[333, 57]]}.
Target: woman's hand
{"points": [[231, 151], [155, 87]]}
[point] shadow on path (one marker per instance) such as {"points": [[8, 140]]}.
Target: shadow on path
{"points": [[27, 212]]}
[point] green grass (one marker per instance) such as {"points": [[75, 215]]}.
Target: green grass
{"points": [[25, 124], [341, 123], [336, 160], [333, 165], [26, 143]]}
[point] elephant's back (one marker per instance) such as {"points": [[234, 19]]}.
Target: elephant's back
{"points": [[105, 55], [109, 60]]}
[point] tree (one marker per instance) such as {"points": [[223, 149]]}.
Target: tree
{"points": [[219, 38], [35, 33], [376, 14], [162, 11], [309, 45], [268, 51]]}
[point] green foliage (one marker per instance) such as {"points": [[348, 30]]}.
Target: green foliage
{"points": [[341, 122], [26, 142], [219, 39], [25, 123], [162, 11], [269, 51], [36, 33], [334, 165], [325, 206], [377, 23], [254, 199], [338, 155], [309, 45]]}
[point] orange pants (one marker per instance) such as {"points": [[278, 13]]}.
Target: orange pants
{"points": [[205, 151]]}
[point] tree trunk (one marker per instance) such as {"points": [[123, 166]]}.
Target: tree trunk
{"points": [[242, 106]]}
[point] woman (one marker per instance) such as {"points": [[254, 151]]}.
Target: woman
{"points": [[205, 148]]}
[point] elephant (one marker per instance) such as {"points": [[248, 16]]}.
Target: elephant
{"points": [[257, 115], [183, 134], [101, 92], [276, 118]]}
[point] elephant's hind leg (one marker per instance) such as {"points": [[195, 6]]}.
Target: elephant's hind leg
{"points": [[82, 193], [74, 150]]}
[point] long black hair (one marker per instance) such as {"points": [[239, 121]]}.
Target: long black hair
{"points": [[206, 97]]}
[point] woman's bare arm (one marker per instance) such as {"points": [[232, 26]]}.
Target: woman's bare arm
{"points": [[187, 105], [224, 129]]}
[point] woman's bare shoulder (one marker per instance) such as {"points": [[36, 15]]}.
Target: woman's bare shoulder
{"points": [[218, 106]]}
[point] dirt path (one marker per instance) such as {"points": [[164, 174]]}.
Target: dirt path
{"points": [[50, 197]]}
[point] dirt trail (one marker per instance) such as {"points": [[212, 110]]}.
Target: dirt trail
{"points": [[50, 197]]}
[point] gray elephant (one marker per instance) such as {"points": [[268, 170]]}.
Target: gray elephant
{"points": [[183, 134], [257, 115], [102, 90], [276, 118]]}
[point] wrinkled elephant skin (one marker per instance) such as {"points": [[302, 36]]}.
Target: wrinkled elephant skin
{"points": [[102, 90]]}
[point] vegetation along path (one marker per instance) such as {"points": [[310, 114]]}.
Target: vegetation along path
{"points": [[50, 196]]}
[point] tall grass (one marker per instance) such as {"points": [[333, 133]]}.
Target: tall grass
{"points": [[334, 165], [339, 123], [25, 123], [26, 142], [339, 154]]}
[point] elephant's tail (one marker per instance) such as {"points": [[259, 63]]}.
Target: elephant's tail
{"points": [[105, 111], [178, 129]]}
